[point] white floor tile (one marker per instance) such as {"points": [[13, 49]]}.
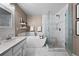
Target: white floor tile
{"points": [[51, 52]]}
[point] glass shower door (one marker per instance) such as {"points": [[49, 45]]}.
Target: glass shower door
{"points": [[68, 30]]}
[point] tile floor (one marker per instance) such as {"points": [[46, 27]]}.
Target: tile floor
{"points": [[51, 52]]}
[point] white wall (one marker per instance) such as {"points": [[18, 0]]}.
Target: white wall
{"points": [[4, 32], [35, 21]]}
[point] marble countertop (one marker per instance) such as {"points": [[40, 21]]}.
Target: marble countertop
{"points": [[7, 44]]}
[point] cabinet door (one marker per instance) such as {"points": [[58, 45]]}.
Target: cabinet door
{"points": [[24, 52], [18, 53], [8, 53], [16, 48], [24, 48]]}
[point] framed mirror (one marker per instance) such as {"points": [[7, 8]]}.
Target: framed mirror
{"points": [[77, 11], [39, 28], [31, 28], [77, 27], [5, 17]]}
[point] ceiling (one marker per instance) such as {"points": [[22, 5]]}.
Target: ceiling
{"points": [[41, 8]]}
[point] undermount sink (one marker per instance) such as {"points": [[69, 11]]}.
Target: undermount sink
{"points": [[9, 39], [5, 41]]}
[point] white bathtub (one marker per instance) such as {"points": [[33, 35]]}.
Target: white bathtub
{"points": [[35, 42]]}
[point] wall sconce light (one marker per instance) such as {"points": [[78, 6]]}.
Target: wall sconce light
{"points": [[39, 28], [31, 28]]}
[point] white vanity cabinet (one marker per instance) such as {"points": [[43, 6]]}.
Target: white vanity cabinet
{"points": [[17, 50]]}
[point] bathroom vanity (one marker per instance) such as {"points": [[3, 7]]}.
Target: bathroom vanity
{"points": [[13, 47]]}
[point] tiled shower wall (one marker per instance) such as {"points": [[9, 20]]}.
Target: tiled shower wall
{"points": [[51, 29], [59, 23]]}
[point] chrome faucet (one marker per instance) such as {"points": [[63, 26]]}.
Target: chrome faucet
{"points": [[9, 36]]}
